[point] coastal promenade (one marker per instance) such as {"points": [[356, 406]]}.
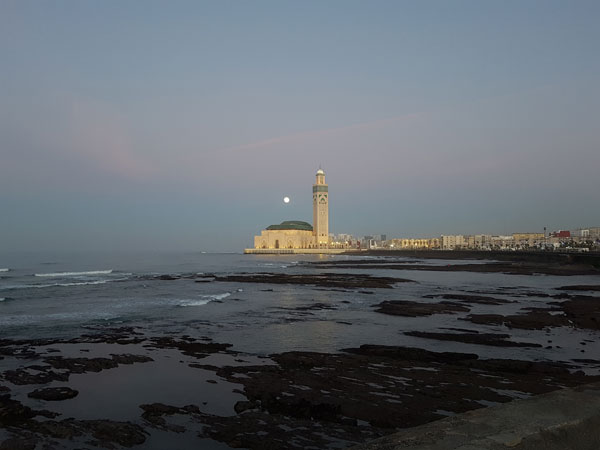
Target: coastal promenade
{"points": [[559, 420], [295, 251]]}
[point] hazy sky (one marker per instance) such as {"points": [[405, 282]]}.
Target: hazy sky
{"points": [[182, 125]]}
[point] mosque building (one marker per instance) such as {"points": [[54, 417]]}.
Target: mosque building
{"points": [[298, 235]]}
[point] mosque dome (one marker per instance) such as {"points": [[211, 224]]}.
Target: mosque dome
{"points": [[292, 225], [320, 172]]}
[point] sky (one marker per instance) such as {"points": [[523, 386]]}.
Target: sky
{"points": [[181, 125]]}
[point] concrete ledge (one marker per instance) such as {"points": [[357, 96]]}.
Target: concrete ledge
{"points": [[560, 420], [294, 251]]}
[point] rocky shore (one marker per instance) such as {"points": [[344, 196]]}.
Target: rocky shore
{"points": [[136, 387], [291, 400]]}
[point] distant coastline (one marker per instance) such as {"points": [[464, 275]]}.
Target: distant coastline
{"points": [[541, 256]]}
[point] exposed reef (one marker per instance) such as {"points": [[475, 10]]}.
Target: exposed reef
{"points": [[417, 309], [493, 339], [338, 280]]}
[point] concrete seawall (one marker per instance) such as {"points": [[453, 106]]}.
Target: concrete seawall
{"points": [[294, 251], [568, 419]]}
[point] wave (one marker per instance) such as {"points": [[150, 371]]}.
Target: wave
{"points": [[74, 283], [74, 274], [217, 296], [82, 283], [205, 299], [193, 302], [5, 270]]}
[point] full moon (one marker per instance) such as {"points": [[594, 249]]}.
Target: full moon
{"points": [[286, 199]]}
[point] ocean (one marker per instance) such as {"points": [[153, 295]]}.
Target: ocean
{"points": [[48, 296], [213, 350]]}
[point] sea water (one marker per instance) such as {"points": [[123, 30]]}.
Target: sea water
{"points": [[62, 296]]}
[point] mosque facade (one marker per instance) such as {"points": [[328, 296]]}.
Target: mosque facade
{"points": [[296, 234]]}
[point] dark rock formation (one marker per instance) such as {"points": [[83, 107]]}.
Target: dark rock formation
{"points": [[470, 298], [189, 346], [319, 395], [54, 393], [510, 268], [579, 311], [496, 340], [580, 287], [339, 280], [415, 309]]}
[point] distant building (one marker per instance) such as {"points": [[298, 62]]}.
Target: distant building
{"points": [[528, 239], [321, 211], [296, 234], [561, 234], [453, 242], [288, 234], [414, 244], [502, 242], [527, 236]]}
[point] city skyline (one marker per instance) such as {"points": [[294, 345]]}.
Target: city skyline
{"points": [[182, 127]]}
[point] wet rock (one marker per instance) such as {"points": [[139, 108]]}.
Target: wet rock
{"points": [[105, 433], [126, 358], [416, 309], [583, 312], [496, 340], [470, 298], [410, 354], [18, 444], [312, 307], [534, 320], [260, 430], [385, 386], [31, 375], [13, 413], [153, 413], [509, 268], [579, 311], [339, 280], [59, 368], [189, 347], [123, 433], [83, 365], [54, 393], [242, 406], [580, 287]]}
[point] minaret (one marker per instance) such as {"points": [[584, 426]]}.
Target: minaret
{"points": [[321, 211]]}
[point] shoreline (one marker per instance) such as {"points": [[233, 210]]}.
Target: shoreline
{"points": [[562, 257], [450, 348], [245, 401]]}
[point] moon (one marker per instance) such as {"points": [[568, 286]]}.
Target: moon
{"points": [[286, 199]]}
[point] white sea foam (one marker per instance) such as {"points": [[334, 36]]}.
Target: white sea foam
{"points": [[41, 286], [193, 302], [83, 283], [217, 296], [4, 270], [74, 274], [204, 299]]}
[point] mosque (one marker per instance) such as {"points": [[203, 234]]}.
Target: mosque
{"points": [[295, 236]]}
